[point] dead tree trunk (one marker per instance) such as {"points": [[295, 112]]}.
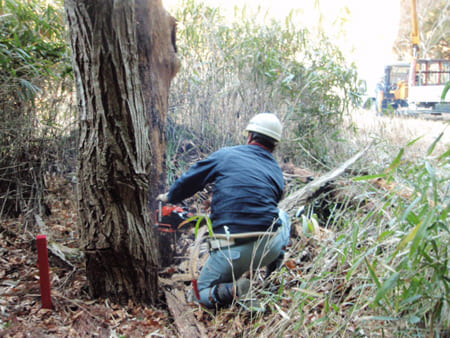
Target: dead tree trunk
{"points": [[124, 59]]}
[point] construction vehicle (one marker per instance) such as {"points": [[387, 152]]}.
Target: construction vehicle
{"points": [[392, 91], [416, 87], [428, 79]]}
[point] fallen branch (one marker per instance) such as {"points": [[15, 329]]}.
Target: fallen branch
{"points": [[310, 191], [55, 250], [182, 313], [42, 226]]}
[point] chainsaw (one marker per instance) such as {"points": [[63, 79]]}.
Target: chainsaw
{"points": [[172, 218]]}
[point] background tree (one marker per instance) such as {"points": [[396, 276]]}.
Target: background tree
{"points": [[124, 59], [434, 27]]}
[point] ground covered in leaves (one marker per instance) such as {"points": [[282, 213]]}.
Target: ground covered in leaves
{"points": [[74, 314], [286, 298]]}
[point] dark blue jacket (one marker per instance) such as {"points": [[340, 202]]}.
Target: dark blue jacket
{"points": [[248, 185]]}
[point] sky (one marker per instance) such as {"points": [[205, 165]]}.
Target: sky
{"points": [[370, 28]]}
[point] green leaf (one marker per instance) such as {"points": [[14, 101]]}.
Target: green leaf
{"points": [[414, 141], [369, 177], [355, 238], [383, 318], [210, 227], [433, 145], [414, 319], [444, 92], [197, 225], [445, 155], [388, 284], [412, 218], [372, 273], [407, 239], [199, 219], [421, 233], [411, 299], [358, 262], [409, 214], [397, 160], [385, 234]]}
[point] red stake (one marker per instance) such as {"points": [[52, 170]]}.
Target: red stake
{"points": [[195, 286], [44, 271]]}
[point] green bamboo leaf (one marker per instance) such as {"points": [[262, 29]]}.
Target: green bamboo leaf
{"points": [[388, 284], [414, 319], [421, 233], [433, 145], [358, 262], [369, 177], [355, 238], [383, 318], [385, 234], [30, 89], [412, 218], [408, 214], [414, 141], [445, 91], [397, 160], [410, 300], [197, 225], [372, 273], [445, 155], [210, 227], [407, 239]]}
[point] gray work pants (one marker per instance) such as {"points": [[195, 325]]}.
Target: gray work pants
{"points": [[227, 264]]}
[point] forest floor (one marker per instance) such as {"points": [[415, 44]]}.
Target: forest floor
{"points": [[74, 314]]}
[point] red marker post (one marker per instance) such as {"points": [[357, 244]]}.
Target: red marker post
{"points": [[44, 271], [195, 286]]}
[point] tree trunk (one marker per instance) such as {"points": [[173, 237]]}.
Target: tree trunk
{"points": [[124, 59]]}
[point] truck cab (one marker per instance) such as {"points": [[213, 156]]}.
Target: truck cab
{"points": [[392, 91]]}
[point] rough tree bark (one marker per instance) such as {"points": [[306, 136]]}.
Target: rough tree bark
{"points": [[124, 57]]}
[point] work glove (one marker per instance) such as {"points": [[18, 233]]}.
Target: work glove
{"points": [[162, 197]]}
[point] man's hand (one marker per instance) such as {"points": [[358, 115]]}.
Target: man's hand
{"points": [[162, 197]]}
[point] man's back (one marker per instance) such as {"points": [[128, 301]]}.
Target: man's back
{"points": [[248, 184]]}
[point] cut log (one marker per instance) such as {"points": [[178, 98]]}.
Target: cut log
{"points": [[310, 191], [185, 321]]}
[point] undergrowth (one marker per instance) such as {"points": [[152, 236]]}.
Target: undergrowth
{"points": [[378, 266], [235, 68]]}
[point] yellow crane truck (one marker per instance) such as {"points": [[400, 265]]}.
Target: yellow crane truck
{"points": [[418, 86]]}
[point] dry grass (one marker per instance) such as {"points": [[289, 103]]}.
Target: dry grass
{"points": [[399, 131]]}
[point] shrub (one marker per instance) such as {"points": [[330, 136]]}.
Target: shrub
{"points": [[232, 70], [410, 267], [35, 65]]}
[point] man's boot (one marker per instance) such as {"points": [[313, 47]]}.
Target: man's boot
{"points": [[242, 287], [275, 265], [224, 292], [246, 298]]}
